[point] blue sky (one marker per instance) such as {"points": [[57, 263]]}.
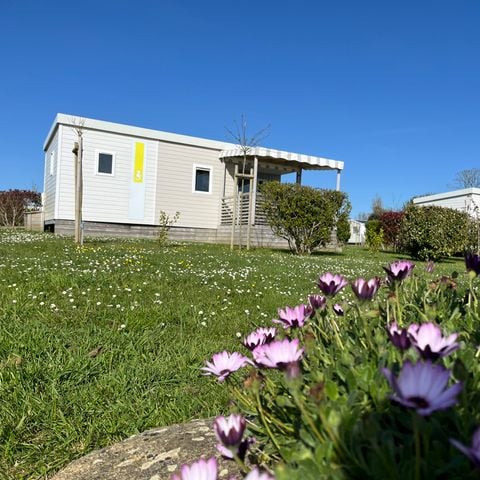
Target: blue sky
{"points": [[390, 88]]}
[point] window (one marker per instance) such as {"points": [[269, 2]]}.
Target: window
{"points": [[105, 163], [52, 163], [202, 180]]}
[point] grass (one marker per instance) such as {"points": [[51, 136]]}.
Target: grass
{"points": [[105, 341]]}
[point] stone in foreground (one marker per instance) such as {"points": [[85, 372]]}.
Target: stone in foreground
{"points": [[152, 455]]}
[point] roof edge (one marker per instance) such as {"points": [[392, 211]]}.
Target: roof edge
{"points": [[444, 195]]}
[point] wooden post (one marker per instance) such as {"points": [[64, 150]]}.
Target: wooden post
{"points": [[254, 188], [250, 209], [234, 213], [78, 152], [299, 176]]}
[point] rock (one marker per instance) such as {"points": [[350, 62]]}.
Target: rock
{"points": [[152, 455]]}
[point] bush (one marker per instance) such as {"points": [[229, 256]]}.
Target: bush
{"points": [[431, 232], [304, 216], [343, 228], [391, 223], [374, 235]]}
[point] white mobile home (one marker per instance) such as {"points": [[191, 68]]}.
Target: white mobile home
{"points": [[465, 200], [131, 174]]}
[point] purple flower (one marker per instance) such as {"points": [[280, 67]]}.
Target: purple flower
{"points": [[260, 336], [399, 336], [229, 432], [428, 339], [256, 474], [399, 270], [294, 317], [331, 284], [364, 290], [422, 386], [317, 302], [199, 470], [224, 363], [338, 309], [472, 262], [473, 452], [282, 354]]}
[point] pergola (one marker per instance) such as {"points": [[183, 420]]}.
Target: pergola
{"points": [[247, 163]]}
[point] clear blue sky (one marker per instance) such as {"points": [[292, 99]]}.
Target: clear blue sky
{"points": [[391, 88]]}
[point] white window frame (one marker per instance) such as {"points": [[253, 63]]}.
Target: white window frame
{"points": [[51, 164], [97, 161], [196, 167]]}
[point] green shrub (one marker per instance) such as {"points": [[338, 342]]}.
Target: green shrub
{"points": [[433, 232], [304, 216], [374, 235], [343, 228]]}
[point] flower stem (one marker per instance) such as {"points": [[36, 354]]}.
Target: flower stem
{"points": [[265, 424], [417, 446]]}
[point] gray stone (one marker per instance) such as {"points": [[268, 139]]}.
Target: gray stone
{"points": [[152, 455]]}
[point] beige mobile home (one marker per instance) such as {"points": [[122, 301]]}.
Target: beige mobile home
{"points": [[131, 174], [465, 200]]}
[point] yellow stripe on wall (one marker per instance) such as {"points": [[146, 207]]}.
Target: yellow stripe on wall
{"points": [[139, 162]]}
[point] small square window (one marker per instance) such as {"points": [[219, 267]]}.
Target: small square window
{"points": [[105, 163], [202, 180]]}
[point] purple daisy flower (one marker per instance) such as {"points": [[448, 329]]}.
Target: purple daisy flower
{"points": [[331, 284], [473, 452], [317, 302], [260, 336], [423, 387], [229, 432], [256, 474], [399, 270], [399, 336], [294, 317], [472, 262], [338, 309], [199, 470], [428, 339], [225, 363], [364, 290], [282, 354]]}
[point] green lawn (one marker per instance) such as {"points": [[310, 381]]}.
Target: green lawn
{"points": [[99, 343]]}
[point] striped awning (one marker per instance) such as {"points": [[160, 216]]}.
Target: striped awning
{"points": [[305, 161]]}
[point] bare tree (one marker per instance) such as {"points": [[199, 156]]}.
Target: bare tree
{"points": [[240, 136], [469, 178]]}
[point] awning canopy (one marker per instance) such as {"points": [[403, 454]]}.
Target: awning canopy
{"points": [[306, 162]]}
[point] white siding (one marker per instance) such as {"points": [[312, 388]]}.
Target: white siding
{"points": [[465, 202], [105, 197], [50, 181], [174, 185]]}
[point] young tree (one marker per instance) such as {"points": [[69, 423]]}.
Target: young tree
{"points": [[469, 178], [240, 136], [14, 203]]}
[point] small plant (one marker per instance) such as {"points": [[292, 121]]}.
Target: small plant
{"points": [[165, 222], [374, 235]]}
